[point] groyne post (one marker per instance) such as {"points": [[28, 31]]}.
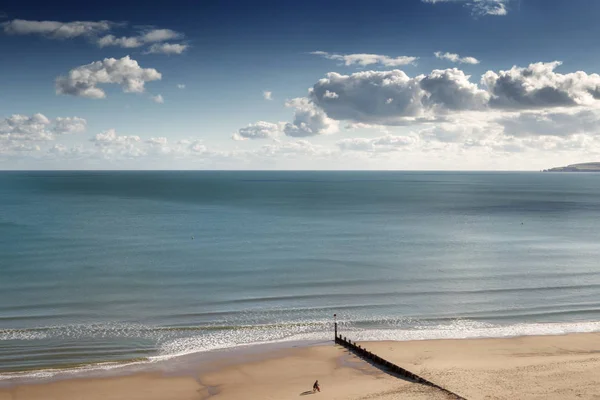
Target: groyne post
{"points": [[335, 325], [375, 359]]}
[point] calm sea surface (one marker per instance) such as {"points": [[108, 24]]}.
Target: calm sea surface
{"points": [[100, 267]]}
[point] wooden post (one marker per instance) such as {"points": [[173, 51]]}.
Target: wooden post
{"points": [[335, 324]]}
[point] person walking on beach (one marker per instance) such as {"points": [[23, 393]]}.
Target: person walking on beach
{"points": [[316, 387]]}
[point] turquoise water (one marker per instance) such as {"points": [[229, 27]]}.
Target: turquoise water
{"points": [[100, 267]]}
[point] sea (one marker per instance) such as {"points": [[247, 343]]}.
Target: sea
{"points": [[103, 269]]}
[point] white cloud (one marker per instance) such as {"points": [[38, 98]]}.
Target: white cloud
{"points": [[180, 86], [330, 95], [365, 96], [148, 36], [82, 81], [197, 147], [69, 125], [125, 42], [450, 89], [167, 48], [455, 58], [479, 7], [38, 127], [367, 59], [99, 32], [56, 29], [160, 35], [258, 130], [158, 99], [394, 98], [12, 147], [268, 95], [26, 128], [539, 86], [110, 138], [111, 145], [22, 133], [309, 120], [489, 7], [385, 143]]}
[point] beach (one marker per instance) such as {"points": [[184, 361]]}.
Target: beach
{"points": [[534, 367]]}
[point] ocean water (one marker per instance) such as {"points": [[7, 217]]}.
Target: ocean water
{"points": [[98, 269]]}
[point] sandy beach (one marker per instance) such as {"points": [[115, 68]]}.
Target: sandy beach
{"points": [[535, 367]]}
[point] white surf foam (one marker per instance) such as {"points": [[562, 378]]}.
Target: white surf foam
{"points": [[322, 331]]}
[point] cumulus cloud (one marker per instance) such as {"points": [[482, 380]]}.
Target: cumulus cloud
{"points": [[389, 97], [23, 127], [309, 120], [258, 130], [451, 89], [110, 138], [167, 48], [22, 133], [158, 99], [180, 86], [385, 143], [367, 59], [455, 58], [539, 86], [268, 95], [56, 29], [331, 95], [394, 98], [109, 144], [83, 80], [69, 125], [479, 7], [38, 127]]}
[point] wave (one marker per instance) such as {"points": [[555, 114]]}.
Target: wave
{"points": [[173, 342]]}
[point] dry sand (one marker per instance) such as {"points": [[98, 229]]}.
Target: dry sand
{"points": [[546, 367]]}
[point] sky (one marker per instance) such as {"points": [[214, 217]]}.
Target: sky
{"points": [[341, 85]]}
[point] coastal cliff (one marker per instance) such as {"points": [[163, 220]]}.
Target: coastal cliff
{"points": [[584, 167]]}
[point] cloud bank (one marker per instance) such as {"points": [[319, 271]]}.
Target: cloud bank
{"points": [[99, 32], [56, 29]]}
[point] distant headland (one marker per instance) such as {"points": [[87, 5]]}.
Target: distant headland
{"points": [[584, 167]]}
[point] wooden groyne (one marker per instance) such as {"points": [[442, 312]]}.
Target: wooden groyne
{"points": [[374, 358]]}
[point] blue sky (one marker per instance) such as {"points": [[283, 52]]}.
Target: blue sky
{"points": [[181, 84]]}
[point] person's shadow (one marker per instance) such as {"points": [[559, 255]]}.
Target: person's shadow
{"points": [[307, 393]]}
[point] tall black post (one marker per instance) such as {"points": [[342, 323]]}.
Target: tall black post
{"points": [[335, 325]]}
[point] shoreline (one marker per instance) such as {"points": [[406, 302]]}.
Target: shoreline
{"points": [[559, 366], [459, 329]]}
